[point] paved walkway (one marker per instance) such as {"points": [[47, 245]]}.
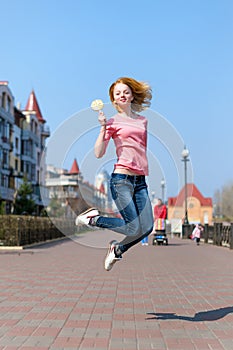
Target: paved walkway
{"points": [[58, 296]]}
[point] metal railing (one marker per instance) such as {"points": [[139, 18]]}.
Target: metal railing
{"points": [[218, 234]]}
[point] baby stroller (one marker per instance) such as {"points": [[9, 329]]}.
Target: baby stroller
{"points": [[159, 232]]}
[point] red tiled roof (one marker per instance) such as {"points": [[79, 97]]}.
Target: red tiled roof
{"points": [[74, 169], [192, 191], [33, 106]]}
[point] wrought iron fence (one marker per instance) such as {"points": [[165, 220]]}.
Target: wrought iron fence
{"points": [[218, 234]]}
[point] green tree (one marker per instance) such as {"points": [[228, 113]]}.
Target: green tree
{"points": [[24, 202], [224, 202], [55, 208], [2, 207]]}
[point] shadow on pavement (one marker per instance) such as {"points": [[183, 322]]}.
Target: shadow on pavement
{"points": [[49, 244], [211, 315], [34, 248], [15, 252], [174, 244]]}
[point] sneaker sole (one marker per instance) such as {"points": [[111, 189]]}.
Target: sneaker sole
{"points": [[117, 259], [83, 213], [87, 211]]}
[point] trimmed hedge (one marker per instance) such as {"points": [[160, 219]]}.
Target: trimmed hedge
{"points": [[24, 230]]}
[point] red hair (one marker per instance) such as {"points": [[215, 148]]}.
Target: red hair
{"points": [[141, 92]]}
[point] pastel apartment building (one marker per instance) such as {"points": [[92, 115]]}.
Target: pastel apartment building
{"points": [[23, 135]]}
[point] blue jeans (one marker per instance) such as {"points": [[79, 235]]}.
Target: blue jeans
{"points": [[145, 240], [132, 200]]}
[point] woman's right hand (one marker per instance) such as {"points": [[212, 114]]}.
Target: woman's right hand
{"points": [[102, 118]]}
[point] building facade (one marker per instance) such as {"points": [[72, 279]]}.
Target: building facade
{"points": [[6, 144], [23, 135], [70, 194], [200, 208]]}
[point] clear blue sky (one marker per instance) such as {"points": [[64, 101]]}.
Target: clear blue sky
{"points": [[70, 51]]}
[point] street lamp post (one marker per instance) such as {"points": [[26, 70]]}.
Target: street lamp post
{"points": [[185, 154], [153, 197], [163, 187]]}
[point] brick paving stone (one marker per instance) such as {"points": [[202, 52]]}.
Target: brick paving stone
{"points": [[58, 296]]}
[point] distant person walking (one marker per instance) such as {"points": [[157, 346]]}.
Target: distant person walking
{"points": [[196, 234], [128, 129]]}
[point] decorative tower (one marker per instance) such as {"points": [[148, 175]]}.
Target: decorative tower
{"points": [[34, 135]]}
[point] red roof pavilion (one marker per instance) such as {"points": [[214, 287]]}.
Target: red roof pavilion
{"points": [[192, 191]]}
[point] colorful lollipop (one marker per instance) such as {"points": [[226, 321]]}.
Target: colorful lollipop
{"points": [[97, 105]]}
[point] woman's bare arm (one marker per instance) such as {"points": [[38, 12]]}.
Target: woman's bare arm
{"points": [[100, 146]]}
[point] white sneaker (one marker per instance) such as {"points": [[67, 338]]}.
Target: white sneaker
{"points": [[111, 257], [84, 218]]}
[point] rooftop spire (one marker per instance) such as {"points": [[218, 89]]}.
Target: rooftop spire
{"points": [[74, 169], [33, 106]]}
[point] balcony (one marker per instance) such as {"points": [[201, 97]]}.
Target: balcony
{"points": [[7, 194], [6, 143], [6, 116], [4, 139], [5, 166], [28, 134], [63, 194], [45, 131], [16, 173]]}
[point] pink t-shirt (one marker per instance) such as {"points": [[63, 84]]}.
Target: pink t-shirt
{"points": [[130, 138]]}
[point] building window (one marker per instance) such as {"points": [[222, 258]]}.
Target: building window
{"points": [[4, 100], [206, 217], [8, 104], [36, 129], [5, 159], [27, 148], [33, 172], [16, 164], [1, 126], [4, 180], [27, 168], [38, 158]]}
